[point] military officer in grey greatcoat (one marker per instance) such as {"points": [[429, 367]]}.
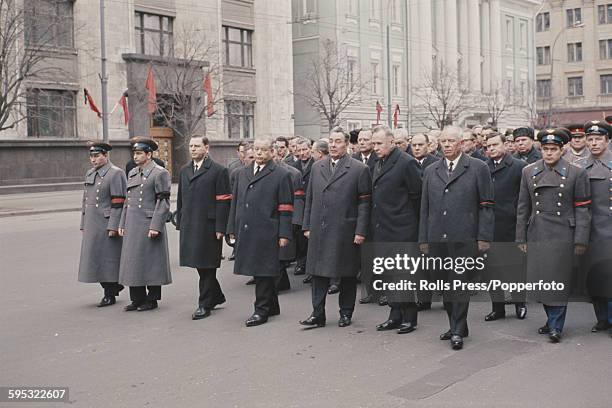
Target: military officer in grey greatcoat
{"points": [[576, 151], [103, 200], [202, 209], [396, 199], [260, 222], [336, 218], [145, 264], [599, 170], [456, 215], [524, 138], [553, 223]]}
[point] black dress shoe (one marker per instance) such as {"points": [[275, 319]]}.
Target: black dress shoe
{"points": [[307, 279], [221, 300], [299, 270], [554, 336], [600, 326], [423, 306], [544, 329], [333, 289], [255, 320], [275, 311], [132, 306], [107, 301], [365, 300], [250, 281], [446, 335], [388, 325], [148, 305], [313, 322], [382, 301], [521, 312], [200, 313], [406, 328], [456, 342], [344, 321], [494, 316]]}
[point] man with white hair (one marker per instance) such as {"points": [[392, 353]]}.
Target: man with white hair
{"points": [[457, 219]]}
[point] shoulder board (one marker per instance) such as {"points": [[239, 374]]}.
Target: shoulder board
{"points": [[133, 172]]}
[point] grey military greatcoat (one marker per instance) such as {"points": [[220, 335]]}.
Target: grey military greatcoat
{"points": [[260, 214], [144, 260], [103, 200], [337, 208]]}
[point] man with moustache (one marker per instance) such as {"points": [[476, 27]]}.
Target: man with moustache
{"points": [[260, 222], [456, 217], [396, 198], [524, 141], [103, 199], [145, 264], [336, 218], [202, 209], [506, 172], [599, 170], [553, 223]]}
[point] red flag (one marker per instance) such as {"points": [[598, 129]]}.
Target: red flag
{"points": [[210, 105], [124, 105], [150, 86], [379, 109], [89, 101], [396, 115]]}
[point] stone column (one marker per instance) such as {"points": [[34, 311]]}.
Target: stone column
{"points": [[440, 29], [464, 40], [496, 44], [450, 18], [474, 54], [486, 46], [424, 37]]}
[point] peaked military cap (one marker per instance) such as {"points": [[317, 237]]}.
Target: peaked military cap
{"points": [[558, 136], [596, 127], [99, 147], [576, 129], [143, 144]]}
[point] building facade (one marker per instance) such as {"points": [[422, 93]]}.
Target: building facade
{"points": [[487, 44], [574, 61], [246, 45]]}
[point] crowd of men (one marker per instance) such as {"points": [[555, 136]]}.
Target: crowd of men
{"points": [[317, 203]]}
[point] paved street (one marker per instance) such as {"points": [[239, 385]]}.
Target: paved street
{"points": [[52, 334]]}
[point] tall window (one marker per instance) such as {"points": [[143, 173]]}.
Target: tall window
{"points": [[574, 86], [543, 22], [397, 80], [574, 16], [309, 8], [49, 23], [605, 49], [154, 34], [375, 9], [353, 8], [238, 44], [51, 113], [523, 28], [375, 78], [574, 52], [239, 119], [543, 88], [509, 32], [604, 13], [351, 71], [543, 55], [606, 84]]}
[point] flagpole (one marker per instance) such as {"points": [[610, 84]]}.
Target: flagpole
{"points": [[103, 77]]}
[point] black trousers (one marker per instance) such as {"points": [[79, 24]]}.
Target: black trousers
{"points": [[499, 306], [301, 243], [210, 290], [457, 316], [266, 296], [111, 289], [403, 312], [138, 294], [346, 298]]}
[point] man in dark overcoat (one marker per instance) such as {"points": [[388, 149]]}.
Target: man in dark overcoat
{"points": [[396, 199], [202, 208], [599, 170], [506, 172], [103, 198], [553, 223], [366, 153], [304, 165], [524, 138], [145, 263], [456, 210], [260, 222], [336, 218]]}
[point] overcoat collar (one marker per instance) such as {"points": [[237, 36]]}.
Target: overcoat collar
{"points": [[344, 163], [462, 166], [506, 161], [387, 163], [203, 168], [269, 167]]}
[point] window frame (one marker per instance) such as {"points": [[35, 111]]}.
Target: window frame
{"points": [[543, 22], [245, 43], [605, 80], [396, 85], [543, 84], [34, 106], [246, 118], [573, 84], [375, 77], [574, 52], [140, 34], [570, 17], [58, 21], [545, 55]]}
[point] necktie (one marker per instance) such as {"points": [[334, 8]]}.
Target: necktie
{"points": [[257, 168], [450, 169], [495, 164], [365, 160], [333, 166], [195, 167]]}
